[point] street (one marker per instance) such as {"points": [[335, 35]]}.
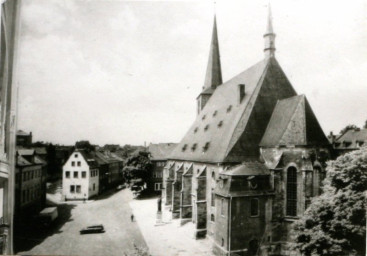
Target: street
{"points": [[111, 210]]}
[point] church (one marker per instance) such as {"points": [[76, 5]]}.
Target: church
{"points": [[252, 160]]}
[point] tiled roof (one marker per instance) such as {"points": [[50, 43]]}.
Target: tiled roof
{"points": [[293, 123], [160, 151], [21, 161], [248, 169], [229, 130], [352, 139], [22, 133], [26, 152], [41, 150], [89, 158]]}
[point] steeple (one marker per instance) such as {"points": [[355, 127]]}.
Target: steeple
{"points": [[269, 36], [213, 76]]}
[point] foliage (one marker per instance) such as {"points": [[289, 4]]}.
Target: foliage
{"points": [[138, 166], [84, 144], [365, 125], [334, 224], [348, 127]]}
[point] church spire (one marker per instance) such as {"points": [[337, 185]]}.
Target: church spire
{"points": [[269, 36], [213, 76]]}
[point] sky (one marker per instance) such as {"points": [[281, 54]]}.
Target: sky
{"points": [[129, 72]]}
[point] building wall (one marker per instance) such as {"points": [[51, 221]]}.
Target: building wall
{"points": [[86, 184], [29, 190], [156, 179]]}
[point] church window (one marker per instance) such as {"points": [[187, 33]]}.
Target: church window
{"points": [[222, 242], [220, 124], [193, 147], [212, 218], [184, 147], [229, 108], [254, 207], [215, 113], [206, 127], [291, 207]]}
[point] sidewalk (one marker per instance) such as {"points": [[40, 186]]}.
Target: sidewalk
{"points": [[169, 238]]}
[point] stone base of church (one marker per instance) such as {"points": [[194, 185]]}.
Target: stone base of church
{"points": [[200, 233], [175, 215], [184, 221]]}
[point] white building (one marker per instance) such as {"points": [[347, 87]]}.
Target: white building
{"points": [[80, 177]]}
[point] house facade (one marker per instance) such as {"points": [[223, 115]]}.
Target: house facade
{"points": [[80, 178], [252, 160], [158, 156], [30, 184]]}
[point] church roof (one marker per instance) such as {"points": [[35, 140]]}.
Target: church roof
{"points": [[160, 151], [248, 169], [293, 123], [227, 129]]}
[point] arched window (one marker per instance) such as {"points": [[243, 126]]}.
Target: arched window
{"points": [[213, 198], [212, 218], [291, 208]]}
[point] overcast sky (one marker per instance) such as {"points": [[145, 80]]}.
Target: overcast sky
{"points": [[129, 71]]}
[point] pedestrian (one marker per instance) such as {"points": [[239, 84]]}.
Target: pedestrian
{"points": [[132, 217]]}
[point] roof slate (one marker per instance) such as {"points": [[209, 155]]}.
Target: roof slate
{"points": [[352, 138], [248, 169], [160, 151], [293, 123]]}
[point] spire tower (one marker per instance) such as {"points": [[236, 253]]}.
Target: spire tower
{"points": [[269, 36], [213, 77]]}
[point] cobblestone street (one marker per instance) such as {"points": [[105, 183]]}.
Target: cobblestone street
{"points": [[112, 210]]}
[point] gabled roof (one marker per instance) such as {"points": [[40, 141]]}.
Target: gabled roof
{"points": [[88, 157], [22, 133], [228, 130], [353, 138], [293, 123], [26, 152], [21, 161], [160, 151]]}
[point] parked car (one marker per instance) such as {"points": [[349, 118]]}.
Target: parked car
{"points": [[92, 229], [48, 215]]}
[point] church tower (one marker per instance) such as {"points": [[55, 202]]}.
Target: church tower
{"points": [[213, 77], [269, 36]]}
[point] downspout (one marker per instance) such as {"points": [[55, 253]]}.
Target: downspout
{"points": [[229, 225]]}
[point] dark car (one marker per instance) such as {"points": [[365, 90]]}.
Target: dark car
{"points": [[92, 229]]}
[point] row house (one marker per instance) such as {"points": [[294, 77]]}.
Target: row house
{"points": [[30, 183], [252, 160]]}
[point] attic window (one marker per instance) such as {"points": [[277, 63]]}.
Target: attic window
{"points": [[206, 127], [229, 108], [203, 117], [220, 124], [184, 147], [193, 147], [196, 129], [206, 146], [215, 113]]}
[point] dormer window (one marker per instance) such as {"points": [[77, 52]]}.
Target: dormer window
{"points": [[215, 113], [184, 147], [193, 147], [204, 116], [206, 146], [229, 108], [206, 127], [196, 129], [220, 124]]}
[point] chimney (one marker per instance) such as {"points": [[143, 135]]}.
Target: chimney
{"points": [[241, 92]]}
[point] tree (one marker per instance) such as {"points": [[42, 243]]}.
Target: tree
{"points": [[348, 127], [84, 144], [138, 166], [334, 224], [365, 125]]}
